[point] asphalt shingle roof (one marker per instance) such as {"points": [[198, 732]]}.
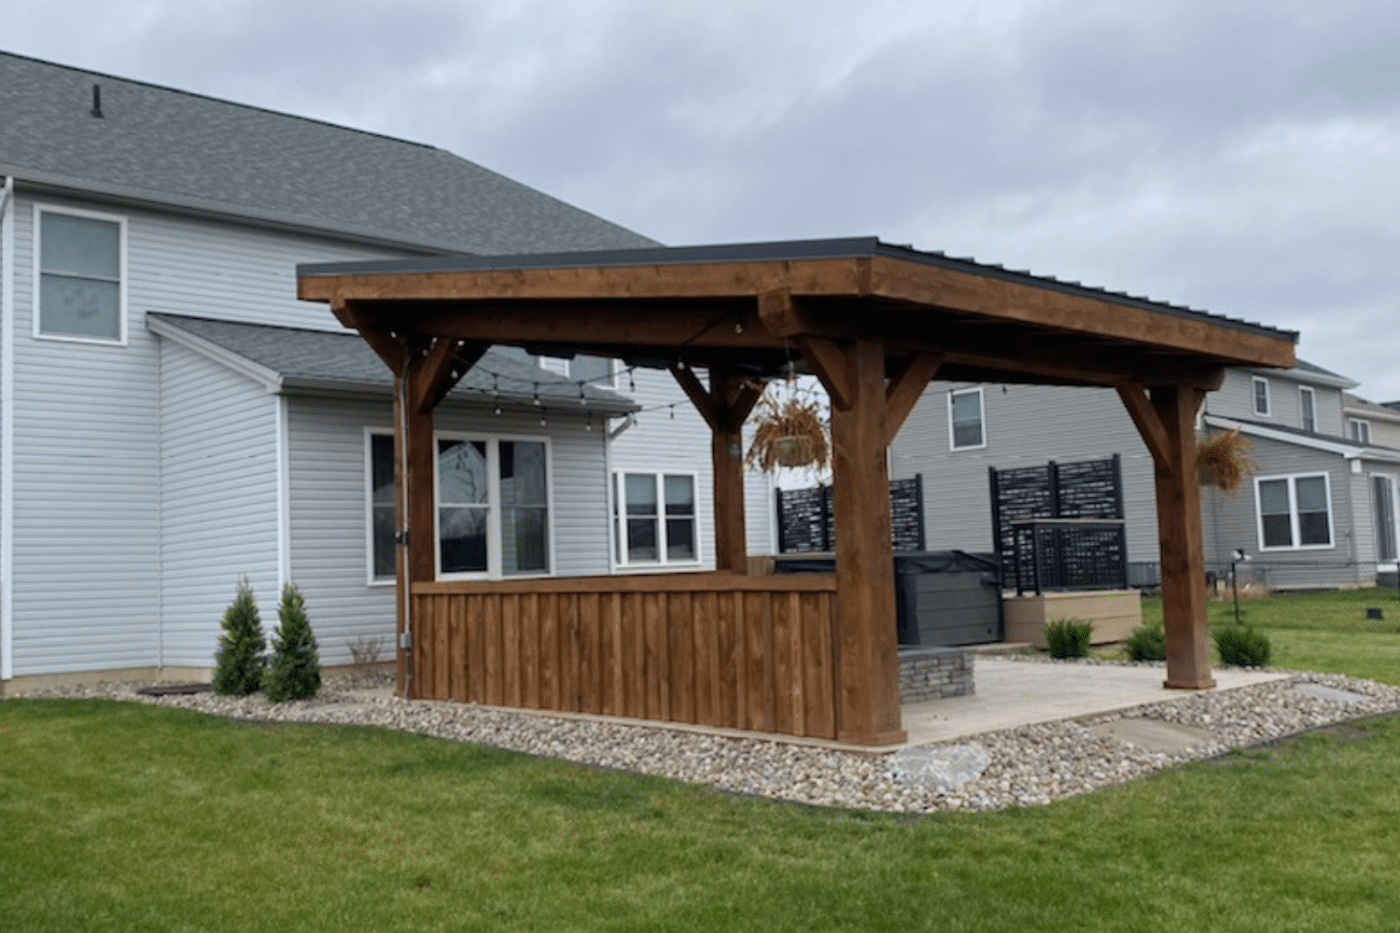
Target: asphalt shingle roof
{"points": [[324, 359], [171, 147]]}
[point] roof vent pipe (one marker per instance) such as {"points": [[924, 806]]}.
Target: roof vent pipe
{"points": [[96, 110]]}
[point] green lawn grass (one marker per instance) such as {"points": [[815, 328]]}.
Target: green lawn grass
{"points": [[120, 817], [127, 817], [1324, 631]]}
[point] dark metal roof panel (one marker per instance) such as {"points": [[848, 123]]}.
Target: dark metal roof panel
{"points": [[779, 251]]}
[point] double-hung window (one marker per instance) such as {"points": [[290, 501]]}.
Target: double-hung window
{"points": [[655, 518], [381, 507], [965, 421], [1261, 395], [1383, 510], [492, 507], [1294, 511], [1360, 431], [80, 264], [1307, 409], [597, 371]]}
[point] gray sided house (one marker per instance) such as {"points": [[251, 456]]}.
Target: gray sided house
{"points": [[1318, 509], [172, 418]]}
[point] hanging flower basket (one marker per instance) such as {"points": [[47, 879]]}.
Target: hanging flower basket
{"points": [[1223, 461], [789, 434]]}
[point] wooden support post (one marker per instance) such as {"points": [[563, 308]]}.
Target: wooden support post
{"points": [[725, 406], [868, 710], [1184, 605], [414, 465]]}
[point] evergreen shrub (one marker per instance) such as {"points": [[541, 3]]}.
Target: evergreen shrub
{"points": [[1242, 646], [240, 658], [295, 670], [1148, 642], [1068, 638]]}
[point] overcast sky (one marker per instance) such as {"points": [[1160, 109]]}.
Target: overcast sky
{"points": [[1242, 158]]}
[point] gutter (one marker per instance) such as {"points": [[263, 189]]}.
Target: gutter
{"points": [[7, 427], [1328, 445]]}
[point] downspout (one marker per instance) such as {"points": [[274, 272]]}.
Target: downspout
{"points": [[405, 645], [7, 426], [283, 481]]}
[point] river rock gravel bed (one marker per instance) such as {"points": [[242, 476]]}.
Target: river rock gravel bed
{"points": [[1028, 765]]}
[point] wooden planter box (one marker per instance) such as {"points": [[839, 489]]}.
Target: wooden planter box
{"points": [[1115, 613]]}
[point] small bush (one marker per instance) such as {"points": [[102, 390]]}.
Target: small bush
{"points": [[240, 658], [364, 656], [1242, 646], [1068, 638], [1148, 642], [295, 671]]}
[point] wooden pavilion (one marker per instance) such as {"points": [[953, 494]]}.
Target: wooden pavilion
{"points": [[798, 654]]}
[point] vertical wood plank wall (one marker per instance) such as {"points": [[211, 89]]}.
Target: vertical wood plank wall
{"points": [[713, 649]]}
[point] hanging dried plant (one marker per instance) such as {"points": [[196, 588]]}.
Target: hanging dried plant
{"points": [[789, 433], [1223, 461]]}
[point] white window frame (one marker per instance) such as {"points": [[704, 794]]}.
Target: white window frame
{"points": [[1294, 535], [621, 558], [1356, 428], [563, 366], [494, 559], [39, 333], [981, 418], [1255, 384], [370, 579], [1307, 409]]}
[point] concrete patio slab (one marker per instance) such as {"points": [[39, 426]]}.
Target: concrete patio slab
{"points": [[1019, 693]]}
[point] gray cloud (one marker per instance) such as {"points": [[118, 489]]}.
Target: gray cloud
{"points": [[1234, 156]]}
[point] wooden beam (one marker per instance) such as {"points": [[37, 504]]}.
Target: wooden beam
{"points": [[780, 315], [727, 460], [1184, 606], [742, 396], [1149, 424], [1071, 311], [829, 364], [700, 397], [905, 389], [868, 678], [446, 363], [840, 276]]}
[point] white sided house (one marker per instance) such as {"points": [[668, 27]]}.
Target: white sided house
{"points": [[173, 419], [1317, 509]]}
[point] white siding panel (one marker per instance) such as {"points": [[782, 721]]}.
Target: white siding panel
{"points": [[329, 551], [1237, 524], [219, 501], [671, 435], [86, 494], [88, 465], [1024, 426]]}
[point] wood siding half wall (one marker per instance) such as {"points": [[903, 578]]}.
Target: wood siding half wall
{"points": [[712, 649]]}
